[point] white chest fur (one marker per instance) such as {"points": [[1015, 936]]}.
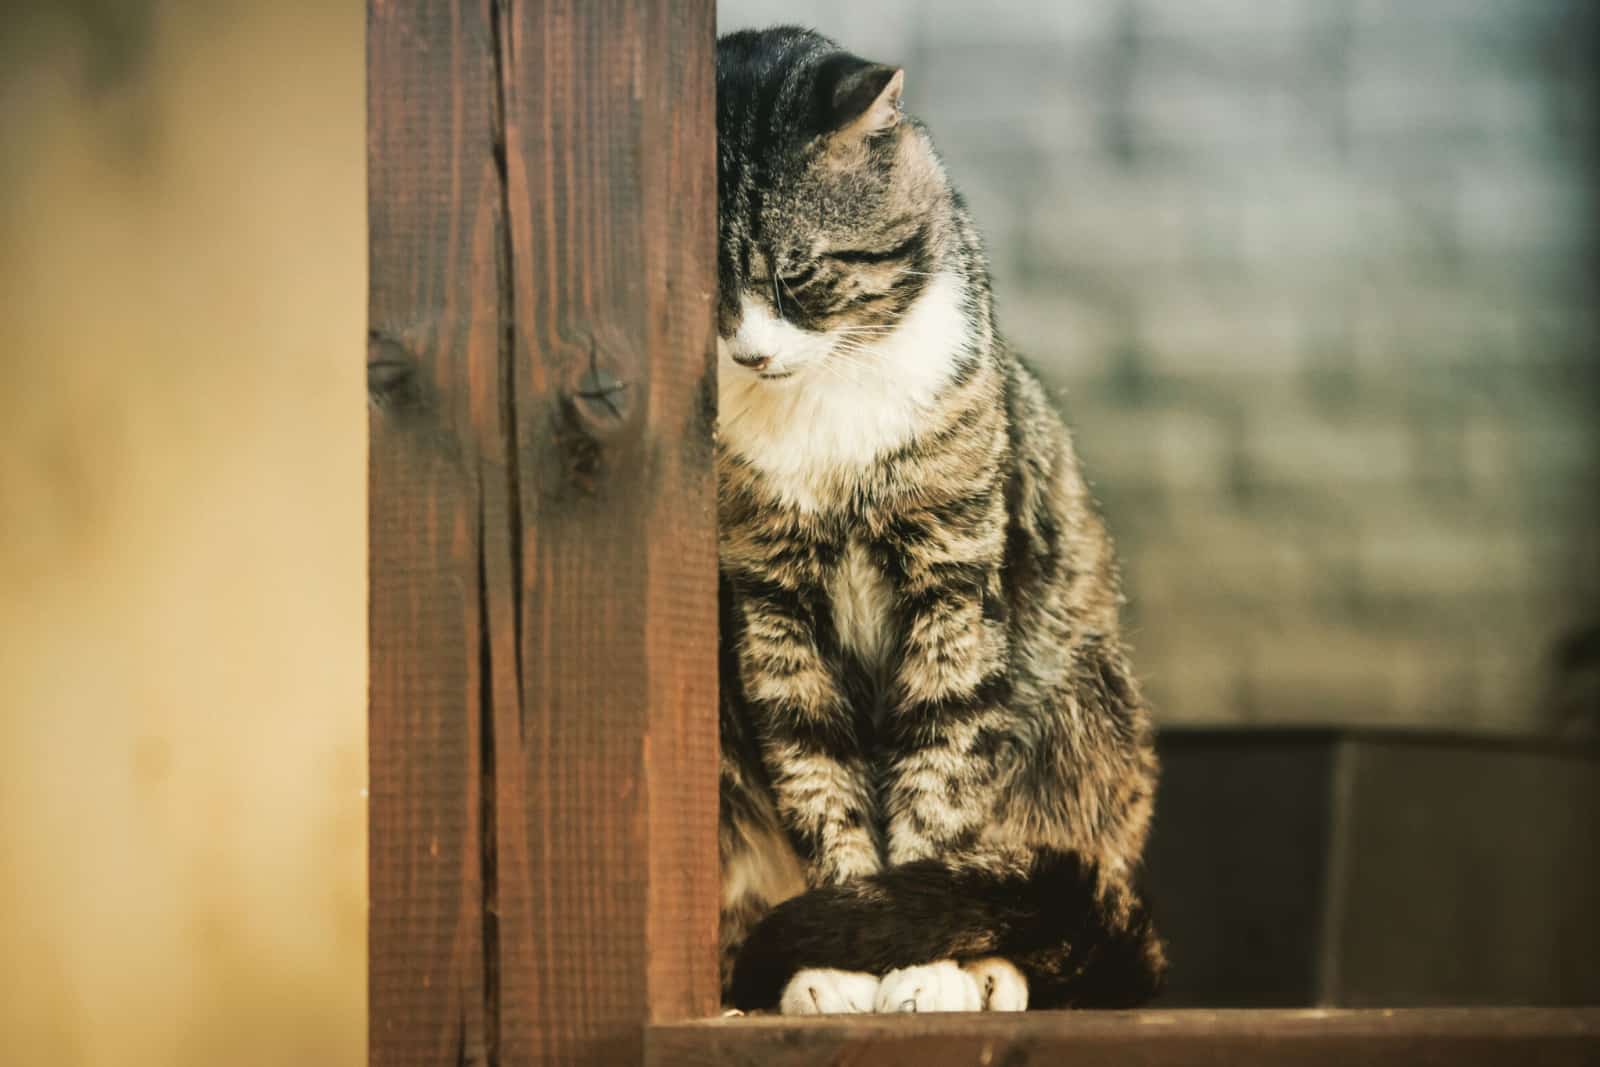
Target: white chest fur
{"points": [[847, 400]]}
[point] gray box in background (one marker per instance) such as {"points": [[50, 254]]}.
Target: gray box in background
{"points": [[1376, 870]]}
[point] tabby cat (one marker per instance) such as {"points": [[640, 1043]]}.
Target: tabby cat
{"points": [[937, 769]]}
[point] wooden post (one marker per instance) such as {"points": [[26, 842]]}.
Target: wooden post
{"points": [[543, 554]]}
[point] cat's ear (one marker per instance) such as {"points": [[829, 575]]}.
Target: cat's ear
{"points": [[867, 101], [864, 99]]}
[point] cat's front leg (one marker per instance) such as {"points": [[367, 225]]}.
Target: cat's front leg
{"points": [[807, 733], [948, 719]]}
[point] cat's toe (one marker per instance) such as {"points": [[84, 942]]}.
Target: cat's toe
{"points": [[941, 986], [1000, 985], [819, 991]]}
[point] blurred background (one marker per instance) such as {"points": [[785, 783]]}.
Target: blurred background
{"points": [[182, 533], [1313, 279], [1314, 282]]}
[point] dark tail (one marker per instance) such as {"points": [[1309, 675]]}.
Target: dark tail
{"points": [[1078, 945]]}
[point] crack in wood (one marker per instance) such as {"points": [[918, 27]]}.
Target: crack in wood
{"points": [[503, 61], [506, 381], [461, 1041], [488, 826]]}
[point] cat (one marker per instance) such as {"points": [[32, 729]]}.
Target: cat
{"points": [[937, 769]]}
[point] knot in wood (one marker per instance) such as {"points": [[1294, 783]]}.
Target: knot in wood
{"points": [[604, 404], [391, 373]]}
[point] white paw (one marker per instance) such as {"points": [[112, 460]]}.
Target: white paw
{"points": [[1000, 985], [818, 991], [941, 986]]}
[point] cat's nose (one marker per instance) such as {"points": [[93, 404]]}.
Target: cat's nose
{"points": [[751, 360]]}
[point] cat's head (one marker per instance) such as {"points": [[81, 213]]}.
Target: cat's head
{"points": [[832, 203]]}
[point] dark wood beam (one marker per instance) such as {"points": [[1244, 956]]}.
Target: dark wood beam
{"points": [[1427, 1037], [543, 555]]}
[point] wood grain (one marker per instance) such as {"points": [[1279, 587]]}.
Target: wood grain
{"points": [[434, 211], [543, 544], [1430, 1037], [608, 889]]}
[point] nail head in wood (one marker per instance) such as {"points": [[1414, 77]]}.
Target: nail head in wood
{"points": [[602, 402]]}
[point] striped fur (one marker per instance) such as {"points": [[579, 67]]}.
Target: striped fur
{"points": [[933, 744]]}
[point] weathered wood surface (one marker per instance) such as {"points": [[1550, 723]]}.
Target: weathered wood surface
{"points": [[543, 804], [1428, 1037], [434, 213]]}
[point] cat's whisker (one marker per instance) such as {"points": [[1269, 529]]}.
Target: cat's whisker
{"points": [[850, 371], [785, 284], [844, 356], [856, 356], [859, 357], [855, 361], [859, 344]]}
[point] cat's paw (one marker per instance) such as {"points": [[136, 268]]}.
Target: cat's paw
{"points": [[941, 986], [1001, 987], [819, 991]]}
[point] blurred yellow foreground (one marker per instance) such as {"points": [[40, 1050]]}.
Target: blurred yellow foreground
{"points": [[182, 534]]}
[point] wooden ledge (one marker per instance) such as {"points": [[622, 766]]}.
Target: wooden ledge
{"points": [[1413, 1037]]}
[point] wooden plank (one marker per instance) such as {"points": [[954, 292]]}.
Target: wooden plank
{"points": [[434, 218], [1433, 1037], [607, 778], [543, 543]]}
